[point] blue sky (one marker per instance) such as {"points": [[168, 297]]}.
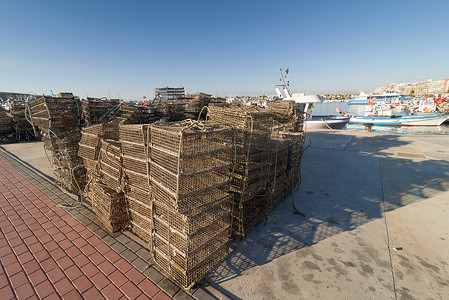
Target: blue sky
{"points": [[127, 48]]}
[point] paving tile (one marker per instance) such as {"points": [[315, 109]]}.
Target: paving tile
{"points": [[100, 280], [82, 284], [13, 268], [7, 293], [203, 294], [118, 247], [149, 288], [37, 277], [73, 295], [144, 254], [64, 286], [111, 292], [44, 289], [112, 256], [31, 266], [182, 295], [135, 276], [73, 272], [81, 260], [130, 290], [90, 269], [18, 279], [128, 255], [168, 286], [93, 293], [106, 267], [65, 262], [48, 264], [162, 296], [55, 275], [154, 275]]}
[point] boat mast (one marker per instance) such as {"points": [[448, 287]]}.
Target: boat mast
{"points": [[285, 85]]}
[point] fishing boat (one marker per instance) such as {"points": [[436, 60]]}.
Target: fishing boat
{"points": [[429, 119], [307, 102]]}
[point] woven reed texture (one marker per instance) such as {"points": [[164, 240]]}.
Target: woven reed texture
{"points": [[111, 164], [110, 208], [5, 125], [288, 114], [52, 113], [94, 109]]}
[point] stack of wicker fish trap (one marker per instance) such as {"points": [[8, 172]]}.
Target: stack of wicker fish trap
{"points": [[122, 114], [59, 120], [110, 207], [22, 128], [252, 161], [189, 172], [288, 114], [94, 109], [277, 186], [134, 142], [5, 125], [89, 145], [169, 112], [108, 199]]}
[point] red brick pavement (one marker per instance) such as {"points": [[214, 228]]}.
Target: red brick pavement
{"points": [[46, 253]]}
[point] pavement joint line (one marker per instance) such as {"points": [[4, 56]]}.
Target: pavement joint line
{"points": [[387, 230]]}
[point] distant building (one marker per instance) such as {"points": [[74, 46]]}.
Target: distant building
{"points": [[168, 94], [429, 86]]}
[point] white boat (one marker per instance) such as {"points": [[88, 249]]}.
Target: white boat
{"points": [[387, 96], [307, 102], [384, 114], [406, 120]]}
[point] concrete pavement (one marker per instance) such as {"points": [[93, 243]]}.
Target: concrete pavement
{"points": [[376, 225]]}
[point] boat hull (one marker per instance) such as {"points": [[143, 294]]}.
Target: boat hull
{"points": [[325, 122], [412, 120]]}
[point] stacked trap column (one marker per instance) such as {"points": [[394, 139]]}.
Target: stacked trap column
{"points": [[189, 173], [250, 174], [59, 121], [134, 141]]}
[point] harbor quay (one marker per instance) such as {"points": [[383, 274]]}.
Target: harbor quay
{"points": [[369, 220]]}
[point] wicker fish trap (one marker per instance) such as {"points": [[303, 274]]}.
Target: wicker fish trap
{"points": [[188, 204], [140, 207], [188, 141], [88, 152], [189, 243], [138, 133], [144, 234], [96, 129], [136, 150], [52, 112], [141, 195], [136, 165], [89, 139], [190, 260], [189, 225], [241, 117], [110, 207], [191, 164], [187, 184], [138, 180], [186, 278]]}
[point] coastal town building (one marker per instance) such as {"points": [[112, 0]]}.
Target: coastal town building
{"points": [[427, 87]]}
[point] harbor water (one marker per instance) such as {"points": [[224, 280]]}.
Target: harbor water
{"points": [[330, 108]]}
